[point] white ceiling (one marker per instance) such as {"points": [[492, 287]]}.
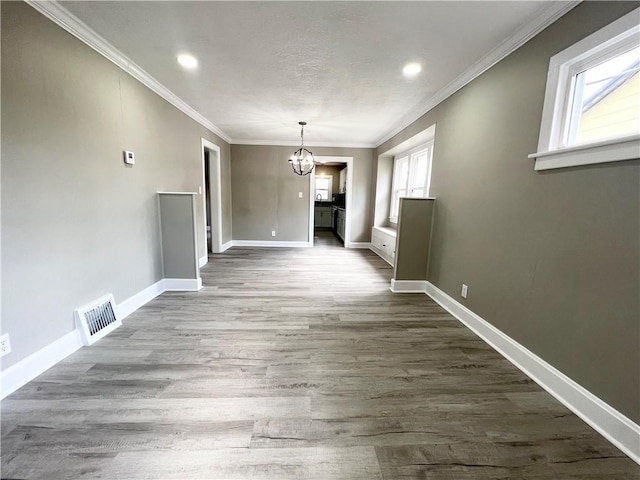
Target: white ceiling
{"points": [[264, 66]]}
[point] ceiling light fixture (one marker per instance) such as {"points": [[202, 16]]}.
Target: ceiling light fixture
{"points": [[187, 61], [302, 160], [411, 69]]}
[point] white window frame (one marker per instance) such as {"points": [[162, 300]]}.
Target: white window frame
{"points": [[330, 189], [411, 157], [563, 68]]}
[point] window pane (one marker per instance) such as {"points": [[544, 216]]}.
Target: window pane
{"points": [[323, 188], [322, 183], [607, 100], [419, 175], [401, 174], [322, 194]]}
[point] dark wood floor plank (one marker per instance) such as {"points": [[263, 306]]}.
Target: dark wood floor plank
{"points": [[295, 364]]}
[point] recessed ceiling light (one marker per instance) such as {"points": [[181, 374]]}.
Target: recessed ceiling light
{"points": [[187, 61], [411, 69]]}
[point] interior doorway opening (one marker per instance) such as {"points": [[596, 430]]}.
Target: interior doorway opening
{"points": [[330, 205], [212, 199]]}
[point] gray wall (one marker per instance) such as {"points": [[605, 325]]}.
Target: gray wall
{"points": [[178, 236], [76, 222], [550, 258], [382, 194], [414, 237], [265, 193]]}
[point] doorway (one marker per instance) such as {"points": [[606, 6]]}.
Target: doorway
{"points": [[211, 198], [336, 206]]}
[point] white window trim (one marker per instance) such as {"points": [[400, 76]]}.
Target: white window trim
{"points": [[409, 154], [551, 152]]}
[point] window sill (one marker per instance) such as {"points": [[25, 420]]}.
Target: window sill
{"points": [[615, 150]]}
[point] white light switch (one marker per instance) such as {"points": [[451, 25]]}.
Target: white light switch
{"points": [[129, 158], [299, 194]]}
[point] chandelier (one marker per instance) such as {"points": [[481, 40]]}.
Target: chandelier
{"points": [[302, 160]]}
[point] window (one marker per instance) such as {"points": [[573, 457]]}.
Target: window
{"points": [[411, 176], [323, 187], [606, 100], [591, 110]]}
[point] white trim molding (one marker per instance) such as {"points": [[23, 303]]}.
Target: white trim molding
{"points": [[361, 245], [522, 35], [408, 286], [182, 284], [72, 24], [348, 161], [611, 424], [39, 362], [133, 303], [289, 143], [226, 246], [556, 146], [69, 22], [215, 192], [269, 243], [615, 150], [203, 261]]}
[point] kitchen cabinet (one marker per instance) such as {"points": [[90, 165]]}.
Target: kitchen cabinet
{"points": [[322, 217], [343, 180], [340, 223]]}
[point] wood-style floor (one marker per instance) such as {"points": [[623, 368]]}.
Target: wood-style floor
{"points": [[295, 364]]}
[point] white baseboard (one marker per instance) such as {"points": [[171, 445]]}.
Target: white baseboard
{"points": [[203, 261], [37, 363], [610, 423], [408, 286], [268, 243], [141, 298], [226, 246], [365, 245], [182, 284]]}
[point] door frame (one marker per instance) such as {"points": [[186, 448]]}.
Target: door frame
{"points": [[215, 189], [348, 196]]}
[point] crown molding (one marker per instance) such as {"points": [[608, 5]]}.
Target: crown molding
{"points": [[69, 22], [276, 143], [72, 24], [524, 33]]}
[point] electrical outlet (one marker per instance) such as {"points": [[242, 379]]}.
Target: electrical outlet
{"points": [[5, 345], [299, 194], [465, 291], [273, 233]]}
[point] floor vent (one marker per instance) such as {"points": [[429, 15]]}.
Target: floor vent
{"points": [[97, 319]]}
